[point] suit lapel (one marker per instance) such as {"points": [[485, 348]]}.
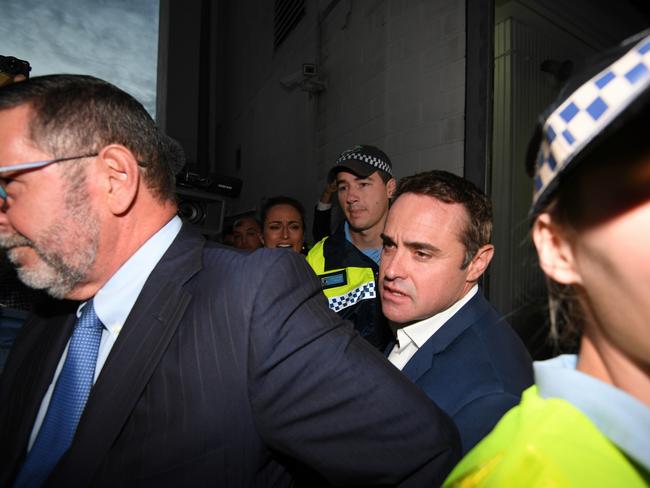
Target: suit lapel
{"points": [[389, 347], [423, 359], [141, 344], [42, 343]]}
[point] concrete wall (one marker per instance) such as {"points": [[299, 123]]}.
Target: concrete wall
{"points": [[395, 73], [528, 32], [272, 128]]}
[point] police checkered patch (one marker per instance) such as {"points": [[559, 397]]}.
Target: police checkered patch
{"points": [[370, 159], [364, 292], [588, 111]]}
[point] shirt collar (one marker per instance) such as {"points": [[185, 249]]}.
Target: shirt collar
{"points": [[421, 331], [619, 416], [373, 253], [114, 301]]}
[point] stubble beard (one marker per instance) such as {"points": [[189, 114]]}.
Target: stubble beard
{"points": [[365, 224], [66, 251], [355, 226]]}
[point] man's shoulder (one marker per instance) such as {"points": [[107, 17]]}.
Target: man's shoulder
{"points": [[192, 260], [486, 324], [468, 323], [336, 252], [478, 342], [221, 261]]}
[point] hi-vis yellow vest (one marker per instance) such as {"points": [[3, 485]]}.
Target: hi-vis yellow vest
{"points": [[343, 287], [546, 443], [349, 280]]}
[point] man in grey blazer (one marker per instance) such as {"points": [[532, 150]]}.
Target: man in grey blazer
{"points": [[172, 361]]}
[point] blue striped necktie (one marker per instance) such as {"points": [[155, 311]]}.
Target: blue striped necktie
{"points": [[67, 402]]}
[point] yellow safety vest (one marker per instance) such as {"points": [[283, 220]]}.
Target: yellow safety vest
{"points": [[546, 442], [349, 280], [343, 287]]}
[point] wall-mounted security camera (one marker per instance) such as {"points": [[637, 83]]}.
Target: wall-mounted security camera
{"points": [[307, 79]]}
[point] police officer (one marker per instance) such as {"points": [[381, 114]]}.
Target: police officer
{"points": [[586, 420], [347, 262]]}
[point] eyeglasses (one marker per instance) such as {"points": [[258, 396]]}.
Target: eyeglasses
{"points": [[34, 165]]}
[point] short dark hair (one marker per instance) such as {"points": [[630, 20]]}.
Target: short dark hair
{"points": [[450, 188], [282, 200], [82, 114], [385, 177]]}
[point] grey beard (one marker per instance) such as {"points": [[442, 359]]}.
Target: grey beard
{"points": [[7, 241], [67, 248], [53, 273]]}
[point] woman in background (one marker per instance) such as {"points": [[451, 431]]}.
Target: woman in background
{"points": [[283, 224]]}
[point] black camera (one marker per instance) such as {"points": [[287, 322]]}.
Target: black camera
{"points": [[201, 209], [227, 186], [14, 66], [200, 201]]}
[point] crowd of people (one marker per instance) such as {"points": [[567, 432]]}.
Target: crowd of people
{"points": [[371, 358]]}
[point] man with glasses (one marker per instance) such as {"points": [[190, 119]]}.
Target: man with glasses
{"points": [[180, 362]]}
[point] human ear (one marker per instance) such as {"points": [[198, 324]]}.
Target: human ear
{"points": [[555, 253], [390, 187], [480, 262], [122, 177]]}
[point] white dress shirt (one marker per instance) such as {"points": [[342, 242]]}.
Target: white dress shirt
{"points": [[113, 303], [412, 337]]}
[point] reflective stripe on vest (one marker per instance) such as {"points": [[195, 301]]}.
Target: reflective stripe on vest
{"points": [[339, 302], [356, 284]]}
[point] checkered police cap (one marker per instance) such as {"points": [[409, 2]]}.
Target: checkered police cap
{"points": [[590, 107], [363, 161]]}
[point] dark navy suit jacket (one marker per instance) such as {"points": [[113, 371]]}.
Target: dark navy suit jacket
{"points": [[229, 371], [474, 367]]}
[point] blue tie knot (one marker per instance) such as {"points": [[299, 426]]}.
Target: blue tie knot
{"points": [[88, 318]]}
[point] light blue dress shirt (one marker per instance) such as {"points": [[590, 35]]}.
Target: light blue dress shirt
{"points": [[113, 303], [621, 418], [373, 253]]}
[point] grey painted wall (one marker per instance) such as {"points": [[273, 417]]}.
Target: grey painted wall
{"points": [[395, 74], [397, 80]]}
